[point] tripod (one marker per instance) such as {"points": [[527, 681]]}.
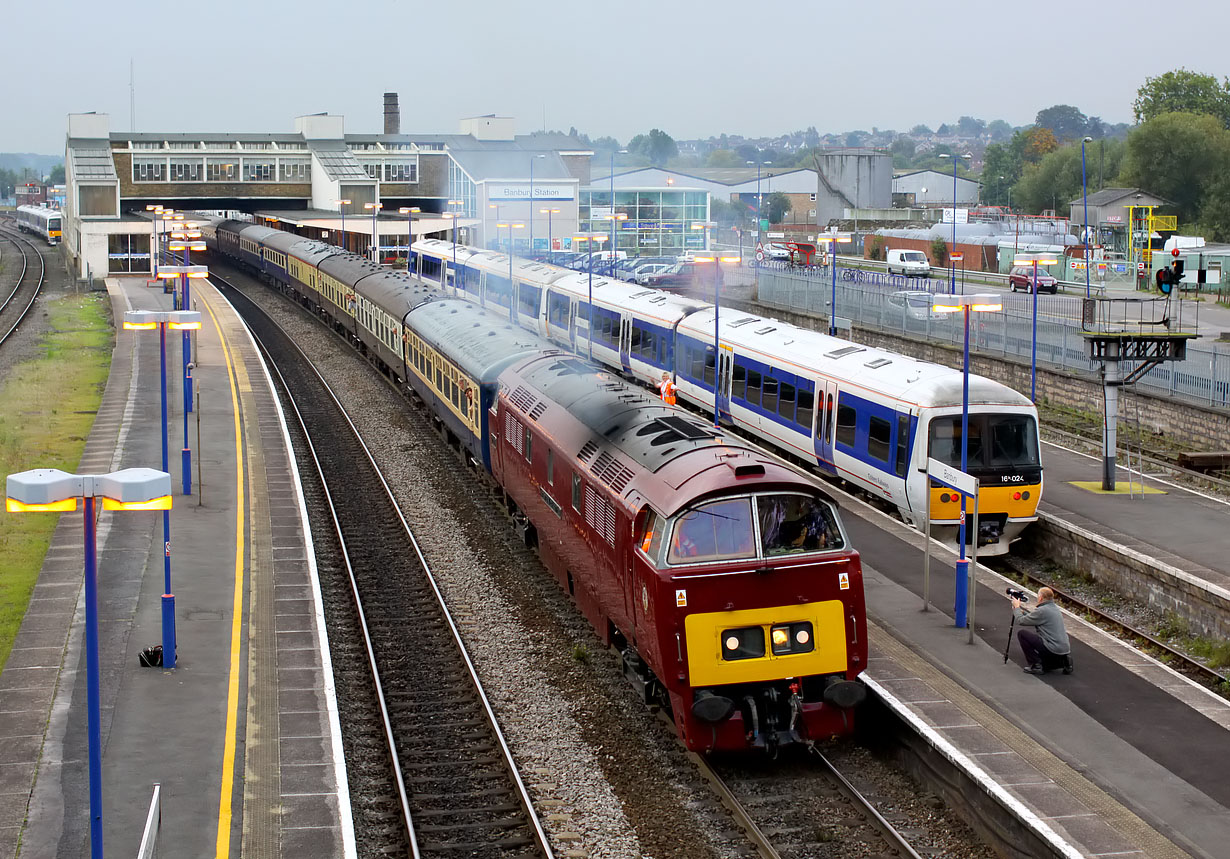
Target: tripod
{"points": [[1008, 646]]}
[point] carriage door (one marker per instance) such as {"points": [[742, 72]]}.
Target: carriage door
{"points": [[625, 343], [725, 368], [573, 307], [826, 414]]}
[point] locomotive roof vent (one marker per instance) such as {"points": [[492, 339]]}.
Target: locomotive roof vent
{"points": [[673, 428], [749, 471]]}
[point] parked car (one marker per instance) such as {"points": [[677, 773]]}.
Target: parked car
{"points": [[911, 263], [645, 273], [1022, 277], [917, 304], [776, 250]]}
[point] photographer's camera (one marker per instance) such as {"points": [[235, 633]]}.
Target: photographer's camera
{"points": [[1016, 594]]}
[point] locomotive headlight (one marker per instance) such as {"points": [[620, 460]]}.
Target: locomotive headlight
{"points": [[792, 638], [745, 643]]}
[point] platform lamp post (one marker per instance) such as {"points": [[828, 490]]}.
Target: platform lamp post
{"points": [[833, 240], [550, 234], [1085, 195], [495, 206], [512, 304], [156, 247], [147, 320], [952, 266], [409, 212], [589, 313], [54, 491], [531, 212], [614, 218], [717, 260], [963, 304], [341, 207], [1035, 260], [375, 207], [187, 245]]}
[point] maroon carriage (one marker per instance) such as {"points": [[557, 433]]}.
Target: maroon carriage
{"points": [[722, 575]]}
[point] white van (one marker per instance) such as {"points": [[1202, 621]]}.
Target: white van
{"points": [[912, 263]]}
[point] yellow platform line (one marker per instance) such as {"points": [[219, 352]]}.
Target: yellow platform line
{"points": [[1095, 486], [226, 799]]}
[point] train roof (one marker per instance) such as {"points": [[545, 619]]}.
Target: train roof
{"points": [[477, 342], [257, 233], [655, 304], [921, 383], [644, 450], [395, 292], [349, 268], [312, 251], [41, 211], [445, 250], [280, 240]]}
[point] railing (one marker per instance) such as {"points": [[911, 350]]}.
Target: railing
{"points": [[867, 299], [153, 825]]}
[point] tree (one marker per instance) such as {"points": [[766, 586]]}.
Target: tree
{"points": [[1038, 142], [1215, 211], [57, 175], [657, 146], [1001, 168], [920, 131], [1064, 120], [999, 130], [724, 158], [776, 205], [939, 251], [1178, 156], [968, 126], [903, 150], [944, 130], [1181, 91]]}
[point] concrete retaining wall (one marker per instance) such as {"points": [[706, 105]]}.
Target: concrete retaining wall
{"points": [[1205, 608]]}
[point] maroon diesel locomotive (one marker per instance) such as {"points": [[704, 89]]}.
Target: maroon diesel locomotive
{"points": [[723, 576]]}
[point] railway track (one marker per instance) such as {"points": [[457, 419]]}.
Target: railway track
{"points": [[431, 773], [18, 303], [801, 806]]}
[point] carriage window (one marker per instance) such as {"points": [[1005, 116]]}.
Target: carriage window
{"points": [[738, 389], [879, 432], [785, 401], [903, 444], [697, 361], [846, 419], [708, 365], [791, 524], [717, 531], [636, 340], [768, 400], [828, 421], [1013, 440], [753, 387], [806, 395], [557, 308]]}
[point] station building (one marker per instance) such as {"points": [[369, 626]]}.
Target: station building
{"points": [[320, 181]]}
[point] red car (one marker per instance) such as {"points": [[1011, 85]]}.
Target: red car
{"points": [[684, 275], [1022, 277]]}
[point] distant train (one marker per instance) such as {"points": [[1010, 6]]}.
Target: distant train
{"points": [[723, 576], [41, 220], [864, 415]]}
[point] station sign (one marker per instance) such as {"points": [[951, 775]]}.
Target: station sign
{"points": [[962, 216], [512, 192], [946, 474], [957, 257]]}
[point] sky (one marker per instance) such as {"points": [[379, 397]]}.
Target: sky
{"points": [[691, 69]]}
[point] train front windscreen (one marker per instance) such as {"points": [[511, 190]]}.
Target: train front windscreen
{"points": [[1003, 448]]}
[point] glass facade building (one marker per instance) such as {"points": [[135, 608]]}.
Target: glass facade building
{"points": [[658, 221]]}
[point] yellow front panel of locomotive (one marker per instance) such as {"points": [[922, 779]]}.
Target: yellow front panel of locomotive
{"points": [[706, 667], [991, 499]]}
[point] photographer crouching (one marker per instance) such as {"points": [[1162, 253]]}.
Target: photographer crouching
{"points": [[1042, 636]]}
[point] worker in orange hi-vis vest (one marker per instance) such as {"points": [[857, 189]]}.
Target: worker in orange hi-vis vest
{"points": [[667, 389]]}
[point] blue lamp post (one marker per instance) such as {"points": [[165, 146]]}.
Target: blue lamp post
{"points": [[156, 245], [550, 234], [375, 209], [1033, 348], [963, 304], [952, 266], [1085, 195], [146, 320], [52, 490], [188, 273], [833, 240]]}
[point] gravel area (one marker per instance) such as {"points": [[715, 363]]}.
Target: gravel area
{"points": [[609, 778]]}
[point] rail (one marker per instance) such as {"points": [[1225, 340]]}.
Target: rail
{"points": [[18, 241]]}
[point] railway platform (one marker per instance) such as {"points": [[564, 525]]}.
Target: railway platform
{"points": [[242, 735], [1160, 520], [1123, 757]]}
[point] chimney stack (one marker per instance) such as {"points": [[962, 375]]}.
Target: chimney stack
{"points": [[392, 114]]}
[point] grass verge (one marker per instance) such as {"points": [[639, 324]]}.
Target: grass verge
{"points": [[47, 406]]}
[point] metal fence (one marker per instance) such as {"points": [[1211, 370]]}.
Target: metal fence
{"points": [[875, 301]]}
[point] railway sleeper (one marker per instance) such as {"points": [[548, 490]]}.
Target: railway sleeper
{"points": [[479, 809], [475, 847]]}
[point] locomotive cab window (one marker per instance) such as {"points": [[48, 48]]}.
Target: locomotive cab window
{"points": [[649, 528], [717, 531], [792, 524]]}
